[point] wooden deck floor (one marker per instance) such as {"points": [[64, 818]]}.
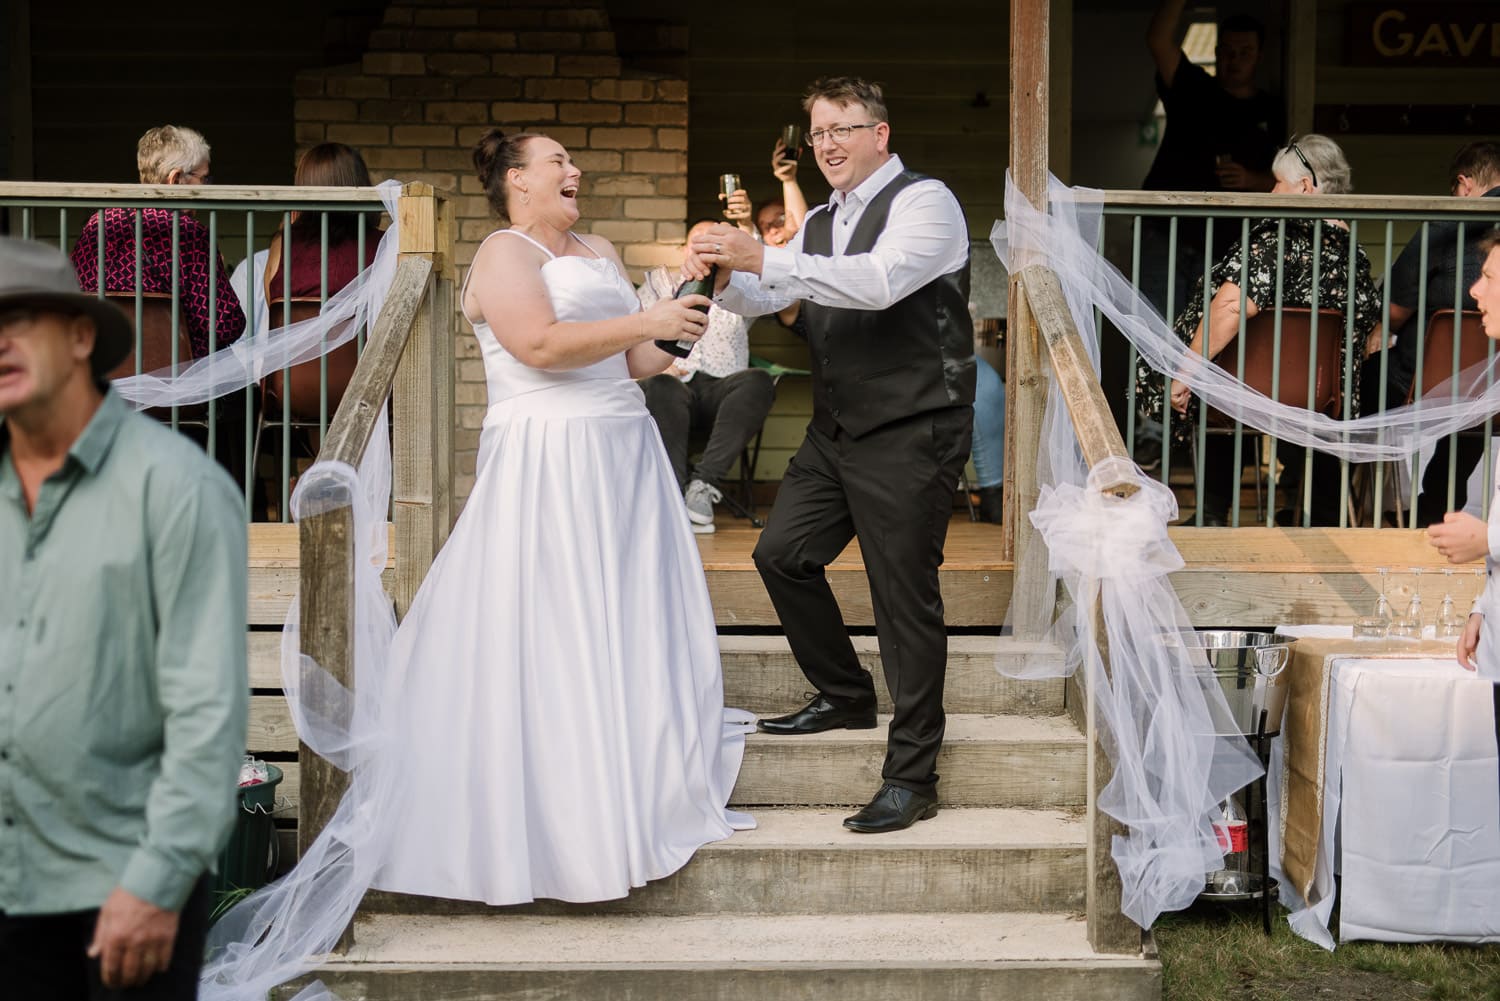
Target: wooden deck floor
{"points": [[1245, 577]]}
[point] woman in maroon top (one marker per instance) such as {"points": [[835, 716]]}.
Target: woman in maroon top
{"points": [[325, 165], [170, 154]]}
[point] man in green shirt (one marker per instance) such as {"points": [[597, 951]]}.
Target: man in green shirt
{"points": [[122, 659]]}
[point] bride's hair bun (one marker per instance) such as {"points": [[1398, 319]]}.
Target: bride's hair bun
{"points": [[494, 155]]}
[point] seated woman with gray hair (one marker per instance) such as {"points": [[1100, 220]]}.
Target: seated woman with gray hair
{"points": [[1311, 165], [168, 154]]}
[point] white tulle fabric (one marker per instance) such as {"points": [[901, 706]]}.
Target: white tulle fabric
{"points": [[1165, 726], [251, 358], [548, 720]]}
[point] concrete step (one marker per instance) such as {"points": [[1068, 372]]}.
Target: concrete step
{"points": [[761, 675], [733, 957], [802, 861], [1025, 761]]}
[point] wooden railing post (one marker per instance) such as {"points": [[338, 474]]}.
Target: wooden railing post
{"points": [[422, 398], [327, 544], [1026, 376], [1099, 437]]}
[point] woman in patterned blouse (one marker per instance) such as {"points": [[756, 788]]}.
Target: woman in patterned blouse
{"points": [[170, 154], [1311, 165]]}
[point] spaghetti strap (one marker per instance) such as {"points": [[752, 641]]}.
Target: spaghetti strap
{"points": [[534, 243], [463, 290], [585, 244]]}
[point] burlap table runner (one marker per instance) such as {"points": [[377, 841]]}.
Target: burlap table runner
{"points": [[1304, 734]]}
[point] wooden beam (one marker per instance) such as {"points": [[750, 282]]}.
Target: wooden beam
{"points": [[271, 195], [1092, 420], [1302, 65], [1203, 203], [422, 397], [21, 125], [1109, 930], [1060, 79], [355, 421], [1026, 390]]}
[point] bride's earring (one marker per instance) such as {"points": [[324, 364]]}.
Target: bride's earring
{"points": [[525, 197]]}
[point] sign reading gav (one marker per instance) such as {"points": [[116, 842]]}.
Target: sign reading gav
{"points": [[1423, 34]]}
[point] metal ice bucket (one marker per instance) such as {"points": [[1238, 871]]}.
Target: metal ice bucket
{"points": [[1248, 667]]}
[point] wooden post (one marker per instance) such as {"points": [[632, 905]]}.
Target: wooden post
{"points": [[326, 539], [1026, 377], [326, 636], [1099, 437], [18, 90], [422, 399], [1060, 102], [1302, 64]]}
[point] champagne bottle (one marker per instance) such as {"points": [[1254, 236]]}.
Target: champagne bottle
{"points": [[698, 286]]}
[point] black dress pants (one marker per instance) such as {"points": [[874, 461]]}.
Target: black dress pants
{"points": [[892, 489], [43, 957], [732, 409]]}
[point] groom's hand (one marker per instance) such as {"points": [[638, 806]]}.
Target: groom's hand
{"points": [[730, 248]]}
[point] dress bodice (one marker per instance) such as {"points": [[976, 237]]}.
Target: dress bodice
{"points": [[581, 289]]}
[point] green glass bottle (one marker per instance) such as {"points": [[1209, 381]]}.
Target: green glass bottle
{"points": [[699, 286]]}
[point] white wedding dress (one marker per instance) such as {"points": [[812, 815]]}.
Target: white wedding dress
{"points": [[556, 689]]}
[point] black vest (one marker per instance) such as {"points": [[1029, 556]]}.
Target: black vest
{"points": [[872, 367]]}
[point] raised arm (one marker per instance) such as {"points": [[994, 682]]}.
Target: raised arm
{"points": [[926, 237], [785, 170], [1162, 40]]}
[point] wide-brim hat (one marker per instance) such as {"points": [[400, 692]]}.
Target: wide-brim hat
{"points": [[34, 274]]}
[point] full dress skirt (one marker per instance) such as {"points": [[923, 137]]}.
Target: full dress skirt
{"points": [[558, 696]]}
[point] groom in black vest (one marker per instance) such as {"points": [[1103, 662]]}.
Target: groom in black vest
{"points": [[882, 271]]}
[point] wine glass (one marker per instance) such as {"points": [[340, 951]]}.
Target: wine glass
{"points": [[1375, 625], [1450, 624], [791, 140], [1408, 625]]}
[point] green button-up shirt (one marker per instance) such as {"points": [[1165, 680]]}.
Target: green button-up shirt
{"points": [[122, 668]]}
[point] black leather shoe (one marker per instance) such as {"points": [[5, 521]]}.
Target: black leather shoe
{"points": [[892, 809], [819, 715]]}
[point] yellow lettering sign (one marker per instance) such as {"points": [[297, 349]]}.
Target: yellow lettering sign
{"points": [[1466, 46], [1433, 40], [1402, 39]]}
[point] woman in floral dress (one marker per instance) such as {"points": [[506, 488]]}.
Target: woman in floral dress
{"points": [[1311, 165]]}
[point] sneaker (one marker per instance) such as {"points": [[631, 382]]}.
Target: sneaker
{"points": [[700, 499]]}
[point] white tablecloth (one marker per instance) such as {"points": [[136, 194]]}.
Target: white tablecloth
{"points": [[1411, 806]]}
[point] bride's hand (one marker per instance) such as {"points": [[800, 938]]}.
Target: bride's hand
{"points": [[675, 319]]}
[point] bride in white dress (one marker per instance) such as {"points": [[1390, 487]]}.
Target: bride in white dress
{"points": [[556, 681]]}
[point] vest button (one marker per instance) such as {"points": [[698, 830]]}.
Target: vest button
{"points": [[835, 411], [825, 361]]}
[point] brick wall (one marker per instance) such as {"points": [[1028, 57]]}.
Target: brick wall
{"points": [[438, 74]]}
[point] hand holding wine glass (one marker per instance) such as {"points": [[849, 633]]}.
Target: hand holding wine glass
{"points": [[784, 157]]}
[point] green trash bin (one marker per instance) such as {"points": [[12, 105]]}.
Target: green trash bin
{"points": [[249, 860]]}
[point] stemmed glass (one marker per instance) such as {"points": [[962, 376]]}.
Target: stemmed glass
{"points": [[1409, 624], [1450, 624], [1375, 625]]}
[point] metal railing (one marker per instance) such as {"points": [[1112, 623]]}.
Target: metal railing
{"points": [[1146, 234], [177, 296]]}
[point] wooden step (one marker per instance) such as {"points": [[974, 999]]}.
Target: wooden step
{"points": [[975, 580], [1013, 761], [1020, 761], [761, 675], [732, 957], [802, 861]]}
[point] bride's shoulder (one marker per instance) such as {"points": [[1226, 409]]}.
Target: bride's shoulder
{"points": [[598, 245]]}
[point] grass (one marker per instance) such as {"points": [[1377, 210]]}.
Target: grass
{"points": [[1222, 954]]}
